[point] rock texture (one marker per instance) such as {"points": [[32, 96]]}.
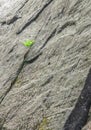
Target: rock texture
{"points": [[39, 86], [88, 126]]}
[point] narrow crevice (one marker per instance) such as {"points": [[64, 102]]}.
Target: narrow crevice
{"points": [[47, 81], [33, 59], [24, 62], [46, 23], [3, 22], [15, 17], [2, 122], [32, 19], [81, 30], [79, 115], [49, 37], [12, 49], [60, 14], [11, 20], [22, 5], [69, 23], [75, 7], [13, 82], [57, 31]]}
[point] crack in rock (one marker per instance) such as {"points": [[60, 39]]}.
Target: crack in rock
{"points": [[34, 17], [33, 59], [79, 115], [22, 5], [75, 7], [47, 81], [49, 37], [24, 62], [69, 23], [12, 49], [11, 20]]}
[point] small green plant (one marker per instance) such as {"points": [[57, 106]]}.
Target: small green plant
{"points": [[28, 43]]}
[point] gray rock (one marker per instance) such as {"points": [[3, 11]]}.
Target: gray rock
{"points": [[39, 86], [88, 126]]}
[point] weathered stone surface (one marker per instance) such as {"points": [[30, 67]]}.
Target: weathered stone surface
{"points": [[88, 126], [39, 86]]}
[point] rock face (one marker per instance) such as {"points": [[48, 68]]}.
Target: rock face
{"points": [[39, 86], [88, 126]]}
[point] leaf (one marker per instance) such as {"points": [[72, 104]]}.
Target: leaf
{"points": [[28, 43]]}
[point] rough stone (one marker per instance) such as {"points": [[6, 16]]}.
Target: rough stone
{"points": [[39, 86]]}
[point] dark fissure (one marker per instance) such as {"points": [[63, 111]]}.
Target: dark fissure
{"points": [[79, 115]]}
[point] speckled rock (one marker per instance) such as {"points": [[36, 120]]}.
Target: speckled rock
{"points": [[39, 86], [88, 126]]}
